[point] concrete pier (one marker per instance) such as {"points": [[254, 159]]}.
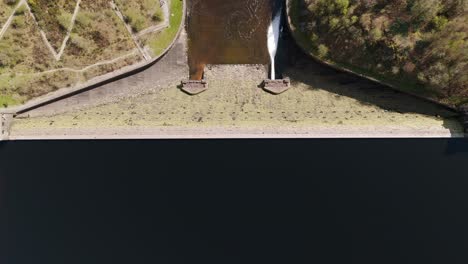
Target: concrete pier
{"points": [[194, 87], [277, 86]]}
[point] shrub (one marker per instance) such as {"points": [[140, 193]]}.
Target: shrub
{"points": [[10, 2], [400, 27], [21, 10], [18, 22], [424, 11], [376, 34], [322, 51], [4, 60], [81, 43], [83, 19], [439, 22], [366, 21], [422, 41], [133, 17], [157, 16], [64, 20], [33, 5]]}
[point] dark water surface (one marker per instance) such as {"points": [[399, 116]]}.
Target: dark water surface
{"points": [[227, 32], [234, 201]]}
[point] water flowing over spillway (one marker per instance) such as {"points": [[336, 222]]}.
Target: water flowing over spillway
{"points": [[273, 38], [227, 32]]}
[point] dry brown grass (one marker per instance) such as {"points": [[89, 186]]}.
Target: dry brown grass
{"points": [[28, 68], [5, 11], [25, 60], [141, 14], [54, 17]]}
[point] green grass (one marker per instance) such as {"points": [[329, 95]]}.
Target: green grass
{"points": [[51, 18], [162, 40], [6, 100], [140, 14], [97, 36], [5, 11]]}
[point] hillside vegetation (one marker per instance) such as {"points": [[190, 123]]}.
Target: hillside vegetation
{"points": [[141, 14], [29, 69], [420, 46], [5, 10], [160, 40], [54, 17], [36, 57]]}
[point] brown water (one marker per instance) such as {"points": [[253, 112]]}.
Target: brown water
{"points": [[227, 32]]}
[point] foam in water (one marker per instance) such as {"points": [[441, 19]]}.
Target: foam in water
{"points": [[273, 38]]}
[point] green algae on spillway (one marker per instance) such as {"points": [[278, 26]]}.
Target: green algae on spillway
{"points": [[227, 32]]}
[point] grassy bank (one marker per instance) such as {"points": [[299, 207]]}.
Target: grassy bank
{"points": [[140, 14], [99, 43], [28, 68], [5, 11], [417, 46], [161, 40]]}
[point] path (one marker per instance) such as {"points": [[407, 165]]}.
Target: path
{"points": [[160, 26], [56, 55], [10, 18], [70, 28], [130, 31], [133, 52]]}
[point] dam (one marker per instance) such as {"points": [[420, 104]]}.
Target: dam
{"points": [[225, 43]]}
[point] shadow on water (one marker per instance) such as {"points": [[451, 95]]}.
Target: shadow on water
{"points": [[301, 68]]}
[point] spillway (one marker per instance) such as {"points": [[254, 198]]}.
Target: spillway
{"points": [[273, 40], [228, 32]]}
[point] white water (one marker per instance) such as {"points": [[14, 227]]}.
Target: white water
{"points": [[273, 38]]}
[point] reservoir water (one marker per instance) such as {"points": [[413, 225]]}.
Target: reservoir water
{"points": [[228, 32]]}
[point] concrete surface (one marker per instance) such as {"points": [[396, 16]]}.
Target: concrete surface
{"points": [[320, 103]]}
